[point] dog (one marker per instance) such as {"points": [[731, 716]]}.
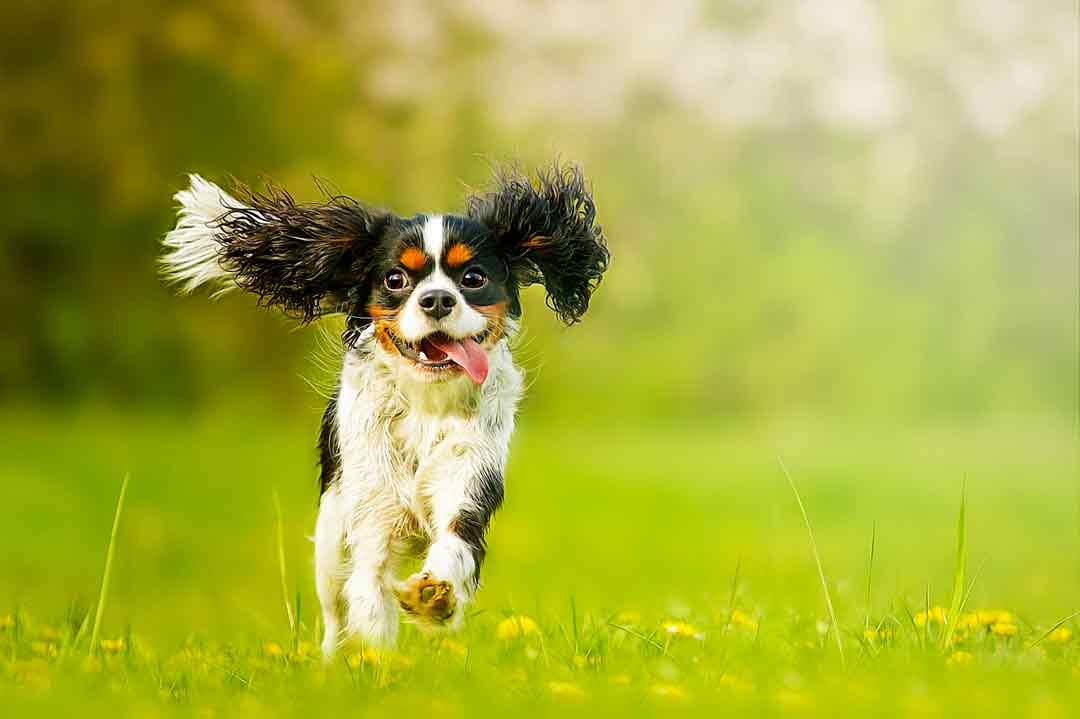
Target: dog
{"points": [[414, 442]]}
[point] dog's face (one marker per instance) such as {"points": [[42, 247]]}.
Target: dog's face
{"points": [[439, 296], [438, 290]]}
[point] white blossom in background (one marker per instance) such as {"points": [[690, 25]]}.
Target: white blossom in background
{"points": [[790, 62]]}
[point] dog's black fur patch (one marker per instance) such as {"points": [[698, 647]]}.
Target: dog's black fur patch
{"points": [[471, 524]]}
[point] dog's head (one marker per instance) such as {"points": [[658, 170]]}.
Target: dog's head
{"points": [[438, 291]]}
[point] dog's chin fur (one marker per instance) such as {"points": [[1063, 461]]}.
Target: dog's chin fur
{"points": [[411, 460]]}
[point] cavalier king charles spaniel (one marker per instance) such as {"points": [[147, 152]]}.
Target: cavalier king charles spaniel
{"points": [[414, 442]]}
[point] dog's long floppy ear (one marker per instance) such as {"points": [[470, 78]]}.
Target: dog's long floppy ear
{"points": [[549, 234], [303, 259]]}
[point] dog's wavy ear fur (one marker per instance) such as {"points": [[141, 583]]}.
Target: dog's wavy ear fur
{"points": [[548, 233], [306, 259]]}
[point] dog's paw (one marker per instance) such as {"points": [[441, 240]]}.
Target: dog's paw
{"points": [[426, 598]]}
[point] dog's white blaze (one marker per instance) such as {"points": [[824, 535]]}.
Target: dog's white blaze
{"points": [[191, 257], [434, 235], [410, 453]]}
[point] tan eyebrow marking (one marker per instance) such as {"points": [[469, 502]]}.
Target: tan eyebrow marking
{"points": [[458, 255], [413, 259]]}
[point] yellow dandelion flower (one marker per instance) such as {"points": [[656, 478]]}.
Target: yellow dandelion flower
{"points": [[455, 648], [1004, 629], [1060, 635], [668, 691], [515, 627], [6, 622], [368, 656], [871, 634], [682, 629], [568, 690], [44, 649], [591, 660], [112, 646], [273, 649], [936, 615], [305, 649], [792, 699], [960, 659], [968, 620], [740, 618], [736, 684], [622, 680], [630, 618], [989, 617]]}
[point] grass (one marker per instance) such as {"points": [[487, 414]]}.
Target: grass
{"points": [[668, 571]]}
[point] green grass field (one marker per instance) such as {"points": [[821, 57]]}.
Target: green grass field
{"points": [[638, 569]]}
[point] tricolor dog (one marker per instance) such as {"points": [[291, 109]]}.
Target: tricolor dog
{"points": [[414, 443]]}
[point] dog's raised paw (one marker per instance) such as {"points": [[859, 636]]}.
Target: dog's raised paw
{"points": [[426, 598]]}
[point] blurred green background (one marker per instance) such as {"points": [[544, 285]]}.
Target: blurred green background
{"points": [[842, 233]]}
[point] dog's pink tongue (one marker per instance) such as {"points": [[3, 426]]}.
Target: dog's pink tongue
{"points": [[468, 353]]}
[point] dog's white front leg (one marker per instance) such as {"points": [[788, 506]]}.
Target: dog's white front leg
{"points": [[463, 496], [370, 612]]}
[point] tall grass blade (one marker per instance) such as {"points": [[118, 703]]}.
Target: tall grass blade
{"points": [[103, 595], [870, 570], [281, 567], [817, 560], [959, 570], [1051, 630]]}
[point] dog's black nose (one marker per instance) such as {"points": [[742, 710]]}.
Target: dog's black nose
{"points": [[437, 304]]}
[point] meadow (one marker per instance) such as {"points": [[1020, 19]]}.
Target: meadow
{"points": [[844, 243], [633, 568]]}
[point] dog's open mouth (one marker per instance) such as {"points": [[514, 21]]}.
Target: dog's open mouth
{"points": [[441, 353]]}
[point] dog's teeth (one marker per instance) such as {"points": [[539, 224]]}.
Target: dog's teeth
{"points": [[423, 356]]}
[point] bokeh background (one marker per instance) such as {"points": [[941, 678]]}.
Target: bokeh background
{"points": [[843, 233]]}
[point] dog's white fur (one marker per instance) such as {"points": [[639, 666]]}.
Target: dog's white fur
{"points": [[410, 448]]}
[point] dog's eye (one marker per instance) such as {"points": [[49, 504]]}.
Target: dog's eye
{"points": [[474, 279], [396, 280]]}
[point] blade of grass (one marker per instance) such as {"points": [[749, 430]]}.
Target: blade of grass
{"points": [[817, 560], [1050, 631], [870, 570], [959, 570], [731, 599], [281, 566], [103, 595], [642, 637]]}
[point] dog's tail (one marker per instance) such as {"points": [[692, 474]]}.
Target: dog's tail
{"points": [[192, 248]]}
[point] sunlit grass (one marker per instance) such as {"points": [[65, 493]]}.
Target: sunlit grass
{"points": [[644, 574]]}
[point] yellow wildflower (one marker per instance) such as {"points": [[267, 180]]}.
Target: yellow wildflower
{"points": [[622, 680], [368, 656], [1004, 629], [682, 629], [736, 684], [960, 658], [740, 618], [44, 649], [112, 646], [668, 691], [936, 615], [792, 699], [273, 649], [305, 649], [516, 626], [871, 634], [6, 622], [1060, 635], [988, 617], [568, 690], [455, 648]]}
